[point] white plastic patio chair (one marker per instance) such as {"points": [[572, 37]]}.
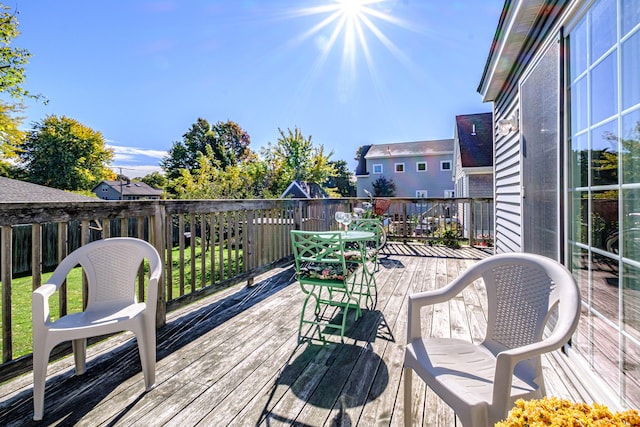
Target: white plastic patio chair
{"points": [[481, 382], [111, 267]]}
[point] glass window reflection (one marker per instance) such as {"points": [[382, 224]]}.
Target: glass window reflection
{"points": [[630, 142], [631, 71], [603, 28], [604, 220], [604, 154], [604, 285], [630, 14], [604, 89]]}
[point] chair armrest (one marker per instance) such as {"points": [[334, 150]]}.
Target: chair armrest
{"points": [[40, 297], [40, 303]]}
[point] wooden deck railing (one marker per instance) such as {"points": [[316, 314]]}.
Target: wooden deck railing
{"points": [[206, 245]]}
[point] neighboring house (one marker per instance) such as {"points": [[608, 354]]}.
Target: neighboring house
{"points": [[15, 191], [304, 190], [473, 169], [126, 190], [418, 169], [563, 79]]}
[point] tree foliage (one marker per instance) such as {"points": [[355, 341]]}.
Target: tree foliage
{"points": [[229, 145], [341, 180], [154, 179], [294, 157], [12, 76], [383, 187], [62, 153], [210, 181]]}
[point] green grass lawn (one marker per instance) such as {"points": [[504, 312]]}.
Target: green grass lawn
{"points": [[22, 289]]}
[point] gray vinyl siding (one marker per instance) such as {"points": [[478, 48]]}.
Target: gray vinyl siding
{"points": [[434, 180], [508, 200]]}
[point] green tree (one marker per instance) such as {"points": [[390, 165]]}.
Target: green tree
{"points": [[228, 141], [62, 153], [12, 76], [294, 157], [341, 180], [154, 179], [383, 187], [209, 181]]}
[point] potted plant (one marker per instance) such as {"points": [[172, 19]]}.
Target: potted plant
{"points": [[552, 411]]}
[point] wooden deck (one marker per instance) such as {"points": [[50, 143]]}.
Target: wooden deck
{"points": [[234, 359]]}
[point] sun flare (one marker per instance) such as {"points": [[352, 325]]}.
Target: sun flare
{"points": [[352, 26]]}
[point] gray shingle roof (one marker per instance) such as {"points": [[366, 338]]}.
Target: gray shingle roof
{"points": [[476, 148], [132, 188], [410, 149], [15, 191]]}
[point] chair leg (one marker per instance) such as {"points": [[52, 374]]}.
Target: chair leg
{"points": [[80, 355], [147, 349], [40, 362], [408, 378]]}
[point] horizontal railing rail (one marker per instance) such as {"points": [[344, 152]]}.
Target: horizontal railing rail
{"points": [[205, 245]]}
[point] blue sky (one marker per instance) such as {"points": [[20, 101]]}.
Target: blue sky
{"points": [[142, 72]]}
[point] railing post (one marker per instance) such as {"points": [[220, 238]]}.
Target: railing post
{"points": [[6, 252], [158, 240], [472, 221]]}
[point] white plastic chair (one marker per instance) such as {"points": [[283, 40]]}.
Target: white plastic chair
{"points": [[481, 382], [111, 267]]}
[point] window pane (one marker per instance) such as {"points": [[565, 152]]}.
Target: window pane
{"points": [[630, 15], [631, 147], [631, 71], [631, 373], [604, 89], [579, 161], [579, 217], [603, 28], [631, 224], [604, 220], [578, 50], [604, 154], [631, 301], [604, 273], [579, 105]]}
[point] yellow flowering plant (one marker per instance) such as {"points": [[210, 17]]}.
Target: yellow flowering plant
{"points": [[551, 411]]}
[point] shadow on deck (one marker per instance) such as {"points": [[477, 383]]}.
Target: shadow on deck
{"points": [[234, 359]]}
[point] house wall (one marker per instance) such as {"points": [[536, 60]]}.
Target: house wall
{"points": [[480, 185], [435, 180], [507, 181]]}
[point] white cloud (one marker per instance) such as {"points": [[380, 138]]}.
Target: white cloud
{"points": [[137, 171], [132, 151]]}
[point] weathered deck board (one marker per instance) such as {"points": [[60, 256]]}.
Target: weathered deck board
{"points": [[234, 359]]}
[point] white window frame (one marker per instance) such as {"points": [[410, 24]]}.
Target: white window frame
{"points": [[418, 166], [450, 194], [443, 162], [376, 166], [422, 194], [395, 167]]}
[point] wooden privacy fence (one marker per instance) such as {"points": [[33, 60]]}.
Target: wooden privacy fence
{"points": [[205, 245]]}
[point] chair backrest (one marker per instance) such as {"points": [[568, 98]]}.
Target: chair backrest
{"points": [[111, 267], [317, 247], [526, 293], [368, 224]]}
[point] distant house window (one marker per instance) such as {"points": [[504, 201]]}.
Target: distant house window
{"points": [[421, 194], [445, 165], [449, 193], [105, 188], [377, 168], [421, 167], [399, 167]]}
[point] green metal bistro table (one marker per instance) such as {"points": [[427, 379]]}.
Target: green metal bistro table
{"points": [[358, 251]]}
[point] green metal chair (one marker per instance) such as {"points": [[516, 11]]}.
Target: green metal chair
{"points": [[326, 277]]}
